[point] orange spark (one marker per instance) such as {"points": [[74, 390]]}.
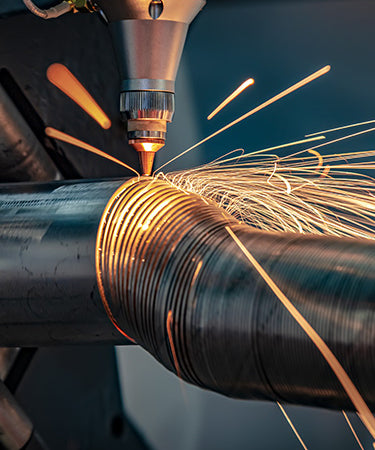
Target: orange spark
{"points": [[273, 173], [274, 99], [352, 430], [291, 425], [62, 78], [231, 97], [352, 392], [325, 171], [170, 338], [319, 156], [348, 136], [341, 128], [56, 134]]}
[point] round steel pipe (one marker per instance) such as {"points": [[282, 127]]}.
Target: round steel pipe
{"points": [[48, 289], [173, 280], [22, 157]]}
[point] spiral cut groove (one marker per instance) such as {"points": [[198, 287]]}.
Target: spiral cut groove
{"points": [[174, 281]]}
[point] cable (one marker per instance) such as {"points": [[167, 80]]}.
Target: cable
{"points": [[51, 13]]}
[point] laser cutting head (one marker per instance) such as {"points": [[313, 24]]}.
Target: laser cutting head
{"points": [[149, 37]]}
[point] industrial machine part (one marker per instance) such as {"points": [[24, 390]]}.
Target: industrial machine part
{"points": [[72, 394], [149, 37], [61, 8], [22, 157], [174, 281], [16, 430], [50, 13]]}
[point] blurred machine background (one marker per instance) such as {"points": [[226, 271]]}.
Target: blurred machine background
{"points": [[72, 394]]}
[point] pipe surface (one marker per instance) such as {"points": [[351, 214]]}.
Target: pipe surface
{"points": [[48, 290], [176, 282], [22, 157], [173, 280]]}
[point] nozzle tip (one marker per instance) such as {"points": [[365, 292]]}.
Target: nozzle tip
{"points": [[147, 162], [146, 152]]}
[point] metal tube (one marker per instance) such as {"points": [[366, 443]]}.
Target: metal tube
{"points": [[176, 282], [22, 157], [48, 290], [15, 427], [172, 279]]}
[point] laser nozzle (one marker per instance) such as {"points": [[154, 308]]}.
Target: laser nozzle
{"points": [[146, 151]]}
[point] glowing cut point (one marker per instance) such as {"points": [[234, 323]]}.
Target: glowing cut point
{"points": [[62, 78], [231, 97]]}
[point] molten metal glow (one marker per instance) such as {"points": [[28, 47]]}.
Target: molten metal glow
{"points": [[352, 430], [56, 134], [341, 128], [274, 99], [231, 97], [352, 392], [62, 78], [150, 147], [291, 425]]}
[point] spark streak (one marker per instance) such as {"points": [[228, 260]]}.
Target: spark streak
{"points": [[319, 156], [352, 392], [274, 99], [56, 134], [170, 338], [231, 97], [62, 78], [251, 187], [276, 147], [341, 128], [352, 430], [343, 138], [291, 425]]}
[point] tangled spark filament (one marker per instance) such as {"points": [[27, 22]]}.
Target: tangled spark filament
{"points": [[290, 194]]}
